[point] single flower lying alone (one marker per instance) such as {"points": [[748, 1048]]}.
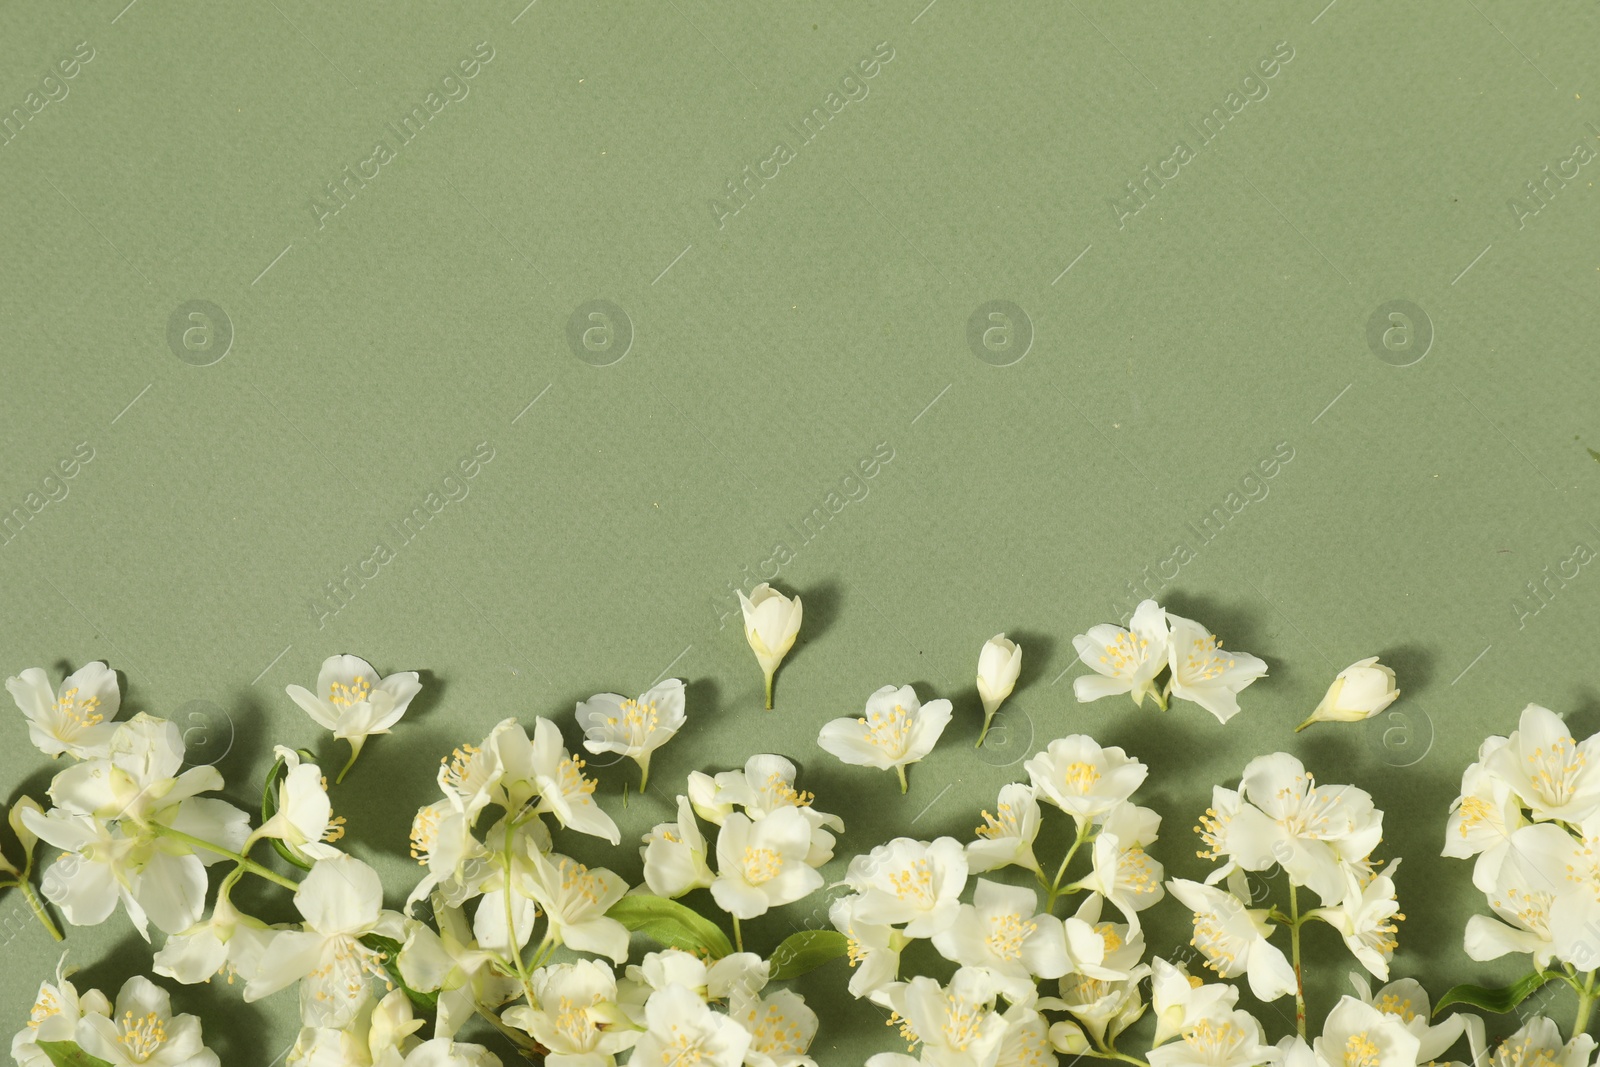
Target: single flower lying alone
{"points": [[896, 730], [354, 702]]}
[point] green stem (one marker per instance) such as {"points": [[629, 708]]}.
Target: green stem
{"points": [[351, 762], [512, 947], [1294, 948], [38, 909], [242, 860], [987, 721], [738, 935], [1113, 1054], [1586, 998], [901, 771], [1107, 1050], [1061, 871], [769, 689]]}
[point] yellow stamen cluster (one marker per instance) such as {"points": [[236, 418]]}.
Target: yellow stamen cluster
{"points": [[1213, 830], [774, 1033], [908, 1035], [424, 834], [47, 1005], [1394, 1004], [638, 721], [577, 881], [570, 779], [1125, 653], [347, 963], [914, 880], [574, 1022], [1215, 942], [684, 1048], [75, 714], [888, 730], [1475, 812], [962, 1022], [783, 792], [1361, 1051], [1557, 770], [344, 696], [141, 1036], [1008, 933], [1080, 776], [458, 765], [1005, 825], [1523, 1053], [1202, 662], [760, 865]]}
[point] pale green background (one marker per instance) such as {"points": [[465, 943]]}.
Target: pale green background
{"points": [[594, 551]]}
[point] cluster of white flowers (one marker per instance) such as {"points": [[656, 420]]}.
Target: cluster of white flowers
{"points": [[1529, 811], [505, 929], [532, 940], [1321, 837], [1004, 939], [1130, 661]]}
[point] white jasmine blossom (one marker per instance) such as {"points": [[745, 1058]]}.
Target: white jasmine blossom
{"points": [[143, 1030], [681, 1029], [1124, 661], [1359, 692], [1003, 931], [1006, 837], [575, 900], [1203, 673], [1083, 779], [1359, 1034], [1483, 819], [304, 821], [872, 949], [674, 855], [55, 1015], [633, 727], [761, 865], [564, 790], [355, 702], [1231, 1039], [451, 962], [910, 882], [341, 901], [1180, 1000], [76, 718], [999, 667], [954, 1024], [771, 623], [575, 1014], [1233, 939], [896, 730], [1366, 920], [1552, 774], [781, 1029]]}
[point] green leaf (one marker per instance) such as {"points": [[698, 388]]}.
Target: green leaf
{"points": [[68, 1054], [806, 951], [391, 964], [1499, 1001], [671, 924]]}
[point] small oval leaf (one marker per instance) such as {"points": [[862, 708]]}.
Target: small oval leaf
{"points": [[1499, 1001], [806, 951], [671, 924], [68, 1054], [391, 965]]}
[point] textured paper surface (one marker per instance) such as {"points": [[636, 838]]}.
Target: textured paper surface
{"points": [[1195, 261]]}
